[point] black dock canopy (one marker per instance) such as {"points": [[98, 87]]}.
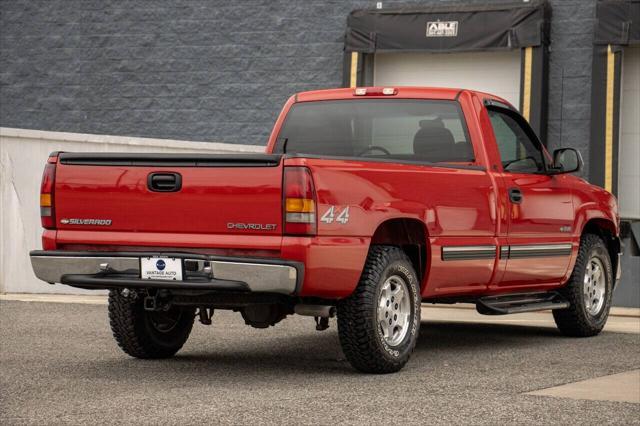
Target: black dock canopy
{"points": [[618, 22], [448, 28]]}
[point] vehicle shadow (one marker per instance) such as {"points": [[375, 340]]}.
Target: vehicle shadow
{"points": [[452, 336], [313, 354]]}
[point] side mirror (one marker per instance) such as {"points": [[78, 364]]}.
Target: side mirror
{"points": [[566, 160]]}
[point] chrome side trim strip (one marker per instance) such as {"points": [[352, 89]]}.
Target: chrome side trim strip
{"points": [[506, 252], [468, 252], [539, 250]]}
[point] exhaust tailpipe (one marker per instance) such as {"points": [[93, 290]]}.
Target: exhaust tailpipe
{"points": [[322, 311]]}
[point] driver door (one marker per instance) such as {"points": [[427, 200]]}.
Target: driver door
{"points": [[539, 206]]}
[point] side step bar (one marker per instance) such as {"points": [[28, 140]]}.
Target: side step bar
{"points": [[520, 302]]}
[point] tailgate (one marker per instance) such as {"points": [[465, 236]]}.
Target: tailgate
{"points": [[216, 194]]}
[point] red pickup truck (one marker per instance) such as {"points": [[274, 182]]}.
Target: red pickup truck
{"points": [[367, 203]]}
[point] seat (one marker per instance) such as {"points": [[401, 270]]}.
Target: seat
{"points": [[434, 143]]}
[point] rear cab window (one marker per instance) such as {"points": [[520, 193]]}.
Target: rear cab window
{"points": [[428, 131]]}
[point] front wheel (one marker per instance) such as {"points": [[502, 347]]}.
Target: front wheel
{"points": [[378, 324], [588, 291], [148, 334]]}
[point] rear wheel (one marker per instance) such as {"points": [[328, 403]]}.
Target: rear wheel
{"points": [[148, 334], [589, 290], [378, 324]]}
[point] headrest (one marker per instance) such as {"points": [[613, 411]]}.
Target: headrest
{"points": [[431, 123], [434, 144]]}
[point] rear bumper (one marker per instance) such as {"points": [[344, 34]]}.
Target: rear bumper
{"points": [[106, 270]]}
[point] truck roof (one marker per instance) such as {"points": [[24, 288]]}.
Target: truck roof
{"points": [[443, 93]]}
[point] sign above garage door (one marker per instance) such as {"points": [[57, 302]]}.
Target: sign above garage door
{"points": [[456, 28], [447, 28]]}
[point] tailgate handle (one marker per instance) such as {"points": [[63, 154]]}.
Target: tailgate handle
{"points": [[164, 182]]}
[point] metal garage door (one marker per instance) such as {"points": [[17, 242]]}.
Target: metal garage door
{"points": [[494, 72], [629, 156]]}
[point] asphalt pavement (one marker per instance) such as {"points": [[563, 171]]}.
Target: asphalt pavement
{"points": [[60, 364]]}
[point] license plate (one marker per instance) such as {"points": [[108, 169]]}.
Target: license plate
{"points": [[161, 268]]}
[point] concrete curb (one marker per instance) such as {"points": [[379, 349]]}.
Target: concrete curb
{"points": [[102, 299], [56, 298]]}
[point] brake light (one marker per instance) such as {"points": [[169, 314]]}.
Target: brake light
{"points": [[299, 202], [375, 91], [47, 207]]}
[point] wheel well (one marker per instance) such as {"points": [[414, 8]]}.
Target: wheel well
{"points": [[408, 234], [606, 230]]}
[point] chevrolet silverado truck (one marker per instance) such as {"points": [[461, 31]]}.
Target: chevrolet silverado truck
{"points": [[367, 203]]}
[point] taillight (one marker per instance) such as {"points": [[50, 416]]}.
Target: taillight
{"points": [[299, 202], [47, 208]]}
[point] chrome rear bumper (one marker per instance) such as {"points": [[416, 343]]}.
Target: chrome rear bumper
{"points": [[104, 270]]}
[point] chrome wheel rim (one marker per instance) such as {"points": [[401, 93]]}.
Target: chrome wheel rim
{"points": [[594, 286], [394, 310]]}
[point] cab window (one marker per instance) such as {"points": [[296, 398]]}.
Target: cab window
{"points": [[520, 151], [429, 131]]}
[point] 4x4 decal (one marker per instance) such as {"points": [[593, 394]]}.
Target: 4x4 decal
{"points": [[334, 214]]}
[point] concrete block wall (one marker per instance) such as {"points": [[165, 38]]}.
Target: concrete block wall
{"points": [[194, 70], [571, 52], [216, 70]]}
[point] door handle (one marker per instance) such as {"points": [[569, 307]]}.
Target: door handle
{"points": [[164, 182], [515, 195]]}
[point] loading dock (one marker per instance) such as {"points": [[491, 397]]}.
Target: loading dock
{"points": [[500, 48], [615, 127]]}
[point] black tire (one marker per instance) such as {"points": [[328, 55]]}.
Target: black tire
{"points": [[145, 334], [576, 320], [360, 333]]}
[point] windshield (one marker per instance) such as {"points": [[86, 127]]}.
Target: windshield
{"points": [[401, 129]]}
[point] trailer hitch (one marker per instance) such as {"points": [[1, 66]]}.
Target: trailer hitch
{"points": [[160, 301]]}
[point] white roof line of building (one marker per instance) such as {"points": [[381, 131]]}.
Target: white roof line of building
{"points": [[126, 140]]}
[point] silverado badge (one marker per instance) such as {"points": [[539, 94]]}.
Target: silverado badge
{"points": [[98, 222]]}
